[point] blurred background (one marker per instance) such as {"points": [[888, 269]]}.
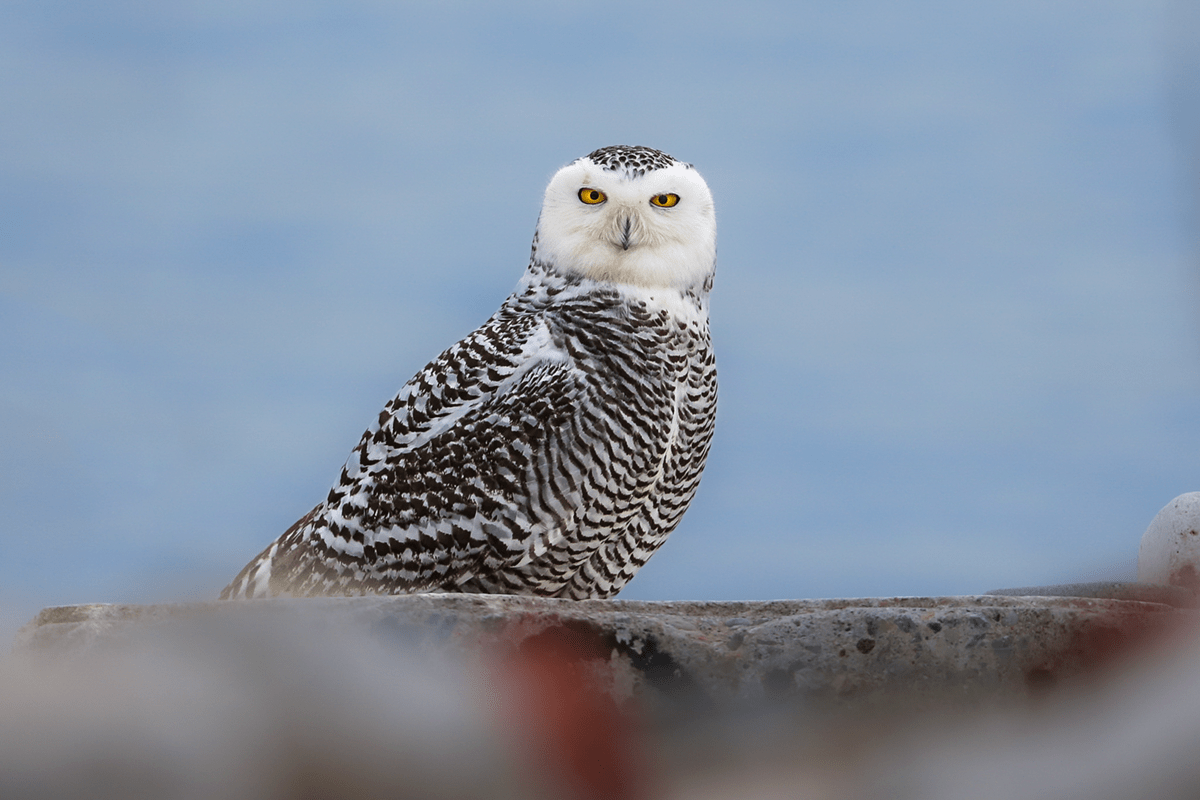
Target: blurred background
{"points": [[955, 311]]}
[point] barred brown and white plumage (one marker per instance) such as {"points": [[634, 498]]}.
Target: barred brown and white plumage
{"points": [[553, 449]]}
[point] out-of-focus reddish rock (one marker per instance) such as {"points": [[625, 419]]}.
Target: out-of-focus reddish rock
{"points": [[558, 686]]}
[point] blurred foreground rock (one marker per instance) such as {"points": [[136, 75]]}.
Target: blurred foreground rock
{"points": [[464, 696], [708, 653]]}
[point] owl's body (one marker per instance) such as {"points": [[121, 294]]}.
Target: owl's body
{"points": [[552, 450]]}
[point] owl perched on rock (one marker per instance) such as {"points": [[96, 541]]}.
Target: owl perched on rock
{"points": [[551, 451]]}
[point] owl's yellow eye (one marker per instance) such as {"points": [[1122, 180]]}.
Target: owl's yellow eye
{"points": [[664, 200], [593, 197]]}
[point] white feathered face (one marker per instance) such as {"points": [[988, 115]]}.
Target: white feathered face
{"points": [[630, 215]]}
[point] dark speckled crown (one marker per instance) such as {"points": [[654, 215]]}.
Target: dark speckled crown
{"points": [[631, 159]]}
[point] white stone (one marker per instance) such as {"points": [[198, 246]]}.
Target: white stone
{"points": [[1170, 549]]}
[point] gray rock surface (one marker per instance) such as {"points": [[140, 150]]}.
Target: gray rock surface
{"points": [[1178, 596], [1170, 548], [805, 651]]}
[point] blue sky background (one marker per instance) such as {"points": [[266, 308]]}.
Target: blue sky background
{"points": [[955, 310]]}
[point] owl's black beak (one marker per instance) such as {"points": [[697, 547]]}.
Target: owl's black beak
{"points": [[625, 233]]}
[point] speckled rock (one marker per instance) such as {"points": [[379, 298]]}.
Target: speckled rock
{"points": [[1170, 548], [706, 653]]}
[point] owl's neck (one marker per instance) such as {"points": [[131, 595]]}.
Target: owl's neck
{"points": [[544, 285]]}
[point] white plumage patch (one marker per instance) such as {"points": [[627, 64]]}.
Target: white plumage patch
{"points": [[553, 449]]}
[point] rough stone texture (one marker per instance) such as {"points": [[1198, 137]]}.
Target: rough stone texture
{"points": [[705, 653], [1170, 548]]}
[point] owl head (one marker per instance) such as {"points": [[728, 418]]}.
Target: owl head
{"points": [[629, 215]]}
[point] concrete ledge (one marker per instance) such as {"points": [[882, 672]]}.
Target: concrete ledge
{"points": [[795, 650]]}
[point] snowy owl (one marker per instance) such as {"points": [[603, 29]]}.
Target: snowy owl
{"points": [[551, 451]]}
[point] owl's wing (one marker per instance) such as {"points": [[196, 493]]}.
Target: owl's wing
{"points": [[482, 464]]}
